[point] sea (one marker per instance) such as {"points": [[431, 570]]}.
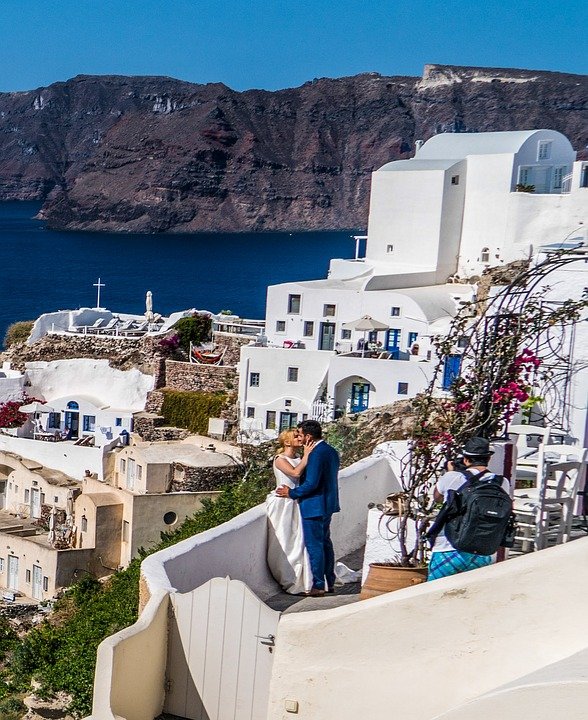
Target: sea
{"points": [[43, 270]]}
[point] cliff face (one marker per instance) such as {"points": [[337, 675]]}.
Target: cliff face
{"points": [[149, 154]]}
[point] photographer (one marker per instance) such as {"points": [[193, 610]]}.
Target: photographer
{"points": [[446, 559]]}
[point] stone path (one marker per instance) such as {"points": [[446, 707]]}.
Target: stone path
{"points": [[344, 594]]}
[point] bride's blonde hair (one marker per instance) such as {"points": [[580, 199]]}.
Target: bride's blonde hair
{"points": [[285, 438]]}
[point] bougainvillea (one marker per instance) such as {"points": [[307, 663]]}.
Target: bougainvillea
{"points": [[511, 351]]}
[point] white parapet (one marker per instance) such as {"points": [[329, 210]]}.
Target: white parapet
{"points": [[424, 651]]}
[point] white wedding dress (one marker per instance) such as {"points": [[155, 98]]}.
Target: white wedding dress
{"points": [[286, 553]]}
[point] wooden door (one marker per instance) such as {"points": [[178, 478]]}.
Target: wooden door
{"points": [[12, 572], [37, 582], [221, 638], [35, 503]]}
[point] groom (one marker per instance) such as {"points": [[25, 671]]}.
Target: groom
{"points": [[318, 498]]}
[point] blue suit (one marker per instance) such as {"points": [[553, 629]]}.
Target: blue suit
{"points": [[318, 497]]}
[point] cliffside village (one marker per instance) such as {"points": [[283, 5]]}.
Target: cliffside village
{"points": [[94, 473]]}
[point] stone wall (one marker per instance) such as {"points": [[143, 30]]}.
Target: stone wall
{"points": [[200, 479], [232, 344], [123, 353], [199, 378], [154, 402], [150, 428]]}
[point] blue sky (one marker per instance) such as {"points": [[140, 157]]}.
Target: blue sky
{"points": [[282, 43]]}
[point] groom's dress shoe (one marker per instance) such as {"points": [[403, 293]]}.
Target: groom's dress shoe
{"points": [[315, 592]]}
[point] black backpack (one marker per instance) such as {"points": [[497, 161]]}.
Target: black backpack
{"points": [[478, 517]]}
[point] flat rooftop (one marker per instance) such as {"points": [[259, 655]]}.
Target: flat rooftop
{"points": [[194, 451]]}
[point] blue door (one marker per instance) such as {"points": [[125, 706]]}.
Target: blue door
{"points": [[393, 342], [360, 396], [451, 370]]}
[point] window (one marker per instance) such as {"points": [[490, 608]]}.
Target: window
{"points": [[170, 518], [126, 531], [89, 423], [394, 311], [412, 338], [544, 150], [123, 465], [55, 499], [304, 416], [292, 374], [84, 525], [329, 310], [250, 412], [72, 405], [293, 304], [45, 583], [27, 494], [16, 488], [54, 420], [389, 248], [308, 329], [558, 176], [402, 388], [345, 334], [288, 420], [139, 472], [1, 565], [118, 422], [288, 403], [254, 379], [280, 326], [462, 342], [485, 256], [270, 420], [455, 179], [28, 576], [42, 498], [525, 175]]}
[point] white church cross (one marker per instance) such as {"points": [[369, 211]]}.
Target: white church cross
{"points": [[98, 285]]}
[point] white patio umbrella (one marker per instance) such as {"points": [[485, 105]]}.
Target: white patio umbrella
{"points": [[149, 306], [36, 407], [365, 324]]}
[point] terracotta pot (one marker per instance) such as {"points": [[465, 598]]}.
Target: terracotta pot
{"points": [[383, 578]]}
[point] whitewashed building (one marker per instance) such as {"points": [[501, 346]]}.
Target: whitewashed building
{"points": [[464, 203]]}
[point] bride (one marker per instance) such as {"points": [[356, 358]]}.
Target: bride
{"points": [[287, 556]]}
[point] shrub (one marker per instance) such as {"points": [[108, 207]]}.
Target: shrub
{"points": [[10, 417], [61, 651], [18, 332], [191, 410], [195, 329]]}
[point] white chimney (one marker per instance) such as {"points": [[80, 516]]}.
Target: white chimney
{"points": [[418, 144]]}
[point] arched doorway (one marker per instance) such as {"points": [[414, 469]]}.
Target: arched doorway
{"points": [[352, 395], [72, 419]]}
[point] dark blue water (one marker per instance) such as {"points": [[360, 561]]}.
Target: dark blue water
{"points": [[43, 270]]}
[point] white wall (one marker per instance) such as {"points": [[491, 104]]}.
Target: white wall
{"points": [[73, 460], [130, 667], [121, 389], [383, 376], [11, 384], [272, 365], [419, 652], [405, 212]]}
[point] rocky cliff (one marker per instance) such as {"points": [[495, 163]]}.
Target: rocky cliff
{"points": [[152, 154]]}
